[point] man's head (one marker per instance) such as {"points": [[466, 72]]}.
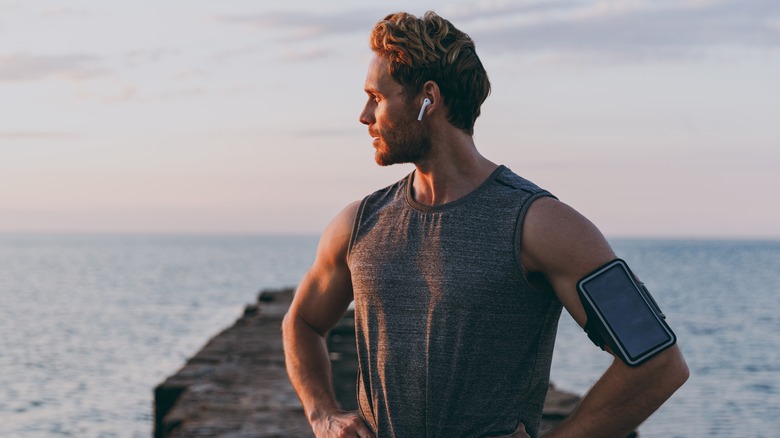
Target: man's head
{"points": [[391, 118], [418, 50]]}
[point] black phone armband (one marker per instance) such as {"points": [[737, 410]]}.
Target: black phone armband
{"points": [[623, 315]]}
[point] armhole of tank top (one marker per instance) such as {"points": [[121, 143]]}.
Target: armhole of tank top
{"points": [[356, 227], [518, 235]]}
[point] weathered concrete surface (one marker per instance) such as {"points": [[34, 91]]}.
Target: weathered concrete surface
{"points": [[237, 387]]}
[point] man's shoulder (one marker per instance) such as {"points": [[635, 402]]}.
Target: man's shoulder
{"points": [[506, 177]]}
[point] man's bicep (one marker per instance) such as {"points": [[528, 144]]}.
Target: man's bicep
{"points": [[325, 291], [321, 300], [564, 246]]}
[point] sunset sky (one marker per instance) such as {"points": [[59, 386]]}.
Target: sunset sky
{"points": [[653, 118]]}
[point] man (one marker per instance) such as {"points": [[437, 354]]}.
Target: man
{"points": [[458, 272]]}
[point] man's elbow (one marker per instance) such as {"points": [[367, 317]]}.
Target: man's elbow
{"points": [[681, 370], [294, 327], [287, 328], [673, 368]]}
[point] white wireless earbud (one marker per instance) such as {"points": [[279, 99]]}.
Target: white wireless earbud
{"points": [[426, 102]]}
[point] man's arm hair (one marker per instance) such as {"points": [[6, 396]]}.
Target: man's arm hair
{"points": [[320, 301], [564, 246]]}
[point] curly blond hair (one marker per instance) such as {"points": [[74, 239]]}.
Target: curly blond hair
{"points": [[432, 49]]}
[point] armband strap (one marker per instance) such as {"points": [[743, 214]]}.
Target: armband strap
{"points": [[592, 329], [649, 297]]}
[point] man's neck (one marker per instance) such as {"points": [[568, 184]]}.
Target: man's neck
{"points": [[453, 170]]}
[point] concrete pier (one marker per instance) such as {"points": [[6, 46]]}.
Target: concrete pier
{"points": [[237, 387]]}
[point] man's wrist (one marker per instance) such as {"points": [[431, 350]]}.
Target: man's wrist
{"points": [[319, 413]]}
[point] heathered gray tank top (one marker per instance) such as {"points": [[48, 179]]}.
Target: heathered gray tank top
{"points": [[452, 339]]}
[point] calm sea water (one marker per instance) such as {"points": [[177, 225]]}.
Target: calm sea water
{"points": [[90, 324]]}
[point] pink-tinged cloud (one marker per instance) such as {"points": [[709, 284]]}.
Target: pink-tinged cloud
{"points": [[600, 30], [23, 68], [36, 135]]}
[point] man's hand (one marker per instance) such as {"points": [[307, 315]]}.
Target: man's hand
{"points": [[518, 433], [341, 424]]}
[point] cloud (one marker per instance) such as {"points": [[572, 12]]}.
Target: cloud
{"points": [[136, 58], [319, 133], [184, 93], [308, 54], [188, 74], [36, 135], [308, 25], [63, 11], [299, 35], [629, 28], [229, 54], [21, 68], [126, 93], [488, 11], [570, 29]]}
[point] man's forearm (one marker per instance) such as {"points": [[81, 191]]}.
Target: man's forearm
{"points": [[624, 397], [308, 365]]}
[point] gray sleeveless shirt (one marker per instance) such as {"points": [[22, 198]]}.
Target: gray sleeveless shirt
{"points": [[452, 339]]}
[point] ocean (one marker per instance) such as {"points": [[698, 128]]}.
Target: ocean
{"points": [[92, 323]]}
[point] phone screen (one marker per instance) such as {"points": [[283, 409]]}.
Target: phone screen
{"points": [[629, 316]]}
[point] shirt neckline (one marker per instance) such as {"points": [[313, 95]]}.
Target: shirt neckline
{"points": [[411, 202]]}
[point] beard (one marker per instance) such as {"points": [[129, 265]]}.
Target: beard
{"points": [[406, 141]]}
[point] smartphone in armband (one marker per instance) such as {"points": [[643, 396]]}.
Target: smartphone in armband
{"points": [[623, 315]]}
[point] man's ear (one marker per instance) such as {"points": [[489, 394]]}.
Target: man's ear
{"points": [[430, 91]]}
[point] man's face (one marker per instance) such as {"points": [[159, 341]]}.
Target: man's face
{"points": [[392, 121]]}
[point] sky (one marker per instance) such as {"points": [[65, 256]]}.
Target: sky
{"points": [[652, 118]]}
